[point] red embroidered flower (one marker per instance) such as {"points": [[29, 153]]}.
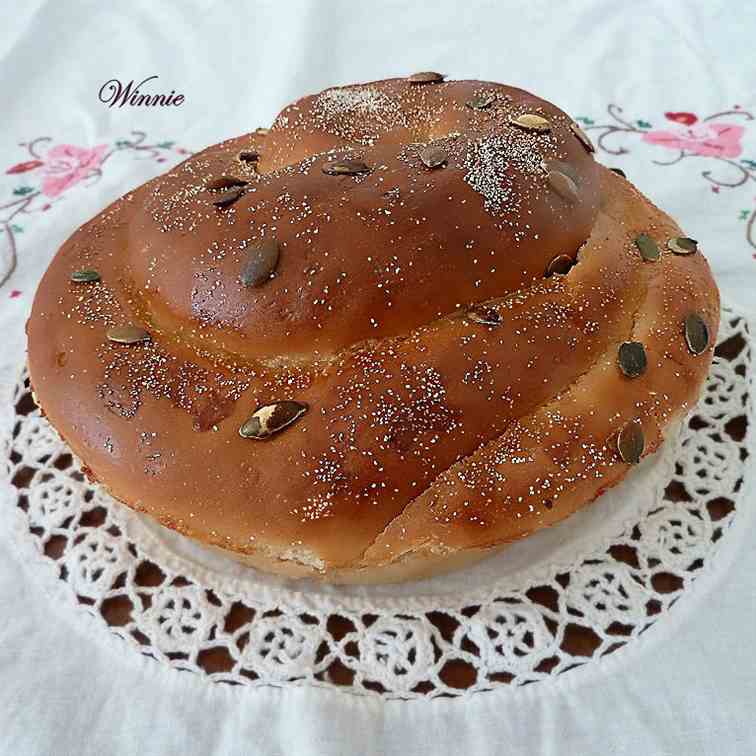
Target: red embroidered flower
{"points": [[29, 165], [687, 119]]}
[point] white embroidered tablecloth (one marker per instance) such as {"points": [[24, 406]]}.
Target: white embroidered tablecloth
{"points": [[629, 630]]}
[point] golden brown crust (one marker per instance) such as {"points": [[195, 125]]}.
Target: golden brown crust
{"points": [[431, 437]]}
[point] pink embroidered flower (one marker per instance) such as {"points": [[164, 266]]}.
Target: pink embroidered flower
{"points": [[66, 165], [707, 139]]}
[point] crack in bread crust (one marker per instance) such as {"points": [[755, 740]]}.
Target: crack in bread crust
{"points": [[424, 543]]}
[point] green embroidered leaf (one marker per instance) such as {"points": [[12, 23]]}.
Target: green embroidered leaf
{"points": [[749, 163], [20, 191], [122, 144], [166, 145], [16, 229], [744, 214], [643, 124], [586, 121]]}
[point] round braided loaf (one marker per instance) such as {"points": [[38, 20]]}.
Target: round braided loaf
{"points": [[410, 323]]}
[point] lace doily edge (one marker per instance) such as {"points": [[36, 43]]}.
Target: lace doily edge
{"points": [[80, 619]]}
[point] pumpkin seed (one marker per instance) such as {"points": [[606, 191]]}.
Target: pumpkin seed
{"points": [[425, 77], [249, 156], [559, 165], [631, 443], [433, 157], [262, 131], [648, 248], [85, 276], [682, 245], [228, 198], [563, 185], [696, 333], [632, 358], [559, 266], [531, 122], [583, 137], [481, 101], [225, 182], [272, 418], [345, 168], [128, 334], [619, 172], [485, 315], [260, 263]]}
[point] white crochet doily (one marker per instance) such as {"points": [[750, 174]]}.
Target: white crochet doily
{"points": [[560, 599]]}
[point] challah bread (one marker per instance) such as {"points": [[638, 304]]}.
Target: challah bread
{"points": [[412, 322]]}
